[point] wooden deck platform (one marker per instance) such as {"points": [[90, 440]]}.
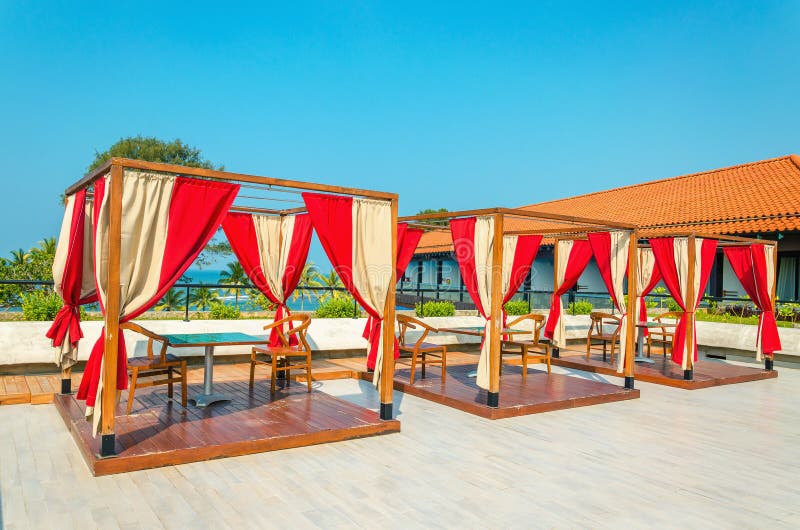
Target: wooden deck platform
{"points": [[540, 393], [160, 432], [707, 373]]}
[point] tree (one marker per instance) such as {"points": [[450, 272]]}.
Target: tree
{"points": [[174, 300], [308, 278], [233, 275], [203, 297], [332, 282], [46, 246], [152, 149], [442, 222], [19, 257]]}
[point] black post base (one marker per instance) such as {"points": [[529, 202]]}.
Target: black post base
{"points": [[107, 445], [386, 411], [688, 375], [554, 352], [66, 386], [493, 399], [629, 383], [769, 364]]}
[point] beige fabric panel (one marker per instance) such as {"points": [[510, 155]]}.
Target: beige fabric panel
{"points": [[620, 245], [681, 253], [63, 246], [273, 248], [509, 250], [560, 330], [483, 246], [373, 262], [88, 285]]}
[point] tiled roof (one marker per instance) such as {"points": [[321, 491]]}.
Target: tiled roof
{"points": [[757, 197]]}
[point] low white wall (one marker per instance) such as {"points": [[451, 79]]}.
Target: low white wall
{"points": [[25, 342]]}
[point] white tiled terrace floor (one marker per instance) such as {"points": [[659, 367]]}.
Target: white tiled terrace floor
{"points": [[715, 458]]}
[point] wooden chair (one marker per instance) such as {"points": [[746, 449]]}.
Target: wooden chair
{"points": [[599, 330], [279, 357], [661, 334], [151, 366], [509, 347], [420, 348]]}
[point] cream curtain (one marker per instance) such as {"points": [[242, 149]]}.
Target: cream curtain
{"points": [[560, 331], [484, 243], [620, 245], [372, 259], [274, 236]]}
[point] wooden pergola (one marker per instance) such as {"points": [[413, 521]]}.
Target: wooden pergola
{"points": [[553, 227], [691, 305], [253, 183]]}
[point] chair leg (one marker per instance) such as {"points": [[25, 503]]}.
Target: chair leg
{"points": [[444, 364], [287, 374], [308, 372], [604, 351], [252, 368], [274, 374], [548, 359], [132, 390], [183, 384], [524, 363], [169, 382], [413, 367], [424, 362], [588, 346]]}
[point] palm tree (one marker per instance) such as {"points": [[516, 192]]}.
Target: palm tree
{"points": [[233, 275], [203, 297], [46, 246], [330, 281], [308, 278], [19, 257], [174, 300]]}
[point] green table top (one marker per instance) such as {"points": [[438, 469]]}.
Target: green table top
{"points": [[180, 340], [472, 330], [656, 324]]}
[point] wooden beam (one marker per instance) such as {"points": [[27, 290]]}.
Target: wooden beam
{"points": [[109, 397], [448, 215], [496, 320], [233, 177], [567, 218], [690, 308], [89, 178], [266, 211], [633, 310], [387, 369]]}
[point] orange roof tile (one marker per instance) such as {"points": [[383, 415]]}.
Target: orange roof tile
{"points": [[756, 197]]}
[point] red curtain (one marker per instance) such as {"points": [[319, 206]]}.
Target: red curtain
{"points": [[579, 256], [664, 252], [600, 242], [407, 241], [463, 232], [196, 210], [240, 231], [750, 265], [68, 319], [332, 219], [654, 279], [524, 255]]}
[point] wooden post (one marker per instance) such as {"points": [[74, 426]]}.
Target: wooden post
{"points": [[691, 296], [387, 369], [769, 360], [109, 397], [554, 351], [66, 379], [633, 311], [496, 320]]}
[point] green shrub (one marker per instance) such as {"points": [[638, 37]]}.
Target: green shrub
{"points": [[224, 312], [672, 305], [343, 307], [580, 307], [260, 300], [41, 305], [435, 309], [517, 307]]}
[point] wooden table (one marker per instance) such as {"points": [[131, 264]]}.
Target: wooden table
{"points": [[640, 358], [209, 341]]}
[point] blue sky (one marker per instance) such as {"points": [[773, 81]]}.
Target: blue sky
{"points": [[462, 105]]}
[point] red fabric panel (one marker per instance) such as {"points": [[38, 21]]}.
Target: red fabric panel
{"points": [[241, 234], [332, 218], [67, 320], [663, 250], [525, 254], [601, 248], [654, 279], [750, 266], [579, 257], [463, 232], [196, 210]]}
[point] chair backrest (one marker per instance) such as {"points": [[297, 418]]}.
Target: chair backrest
{"points": [[299, 328], [406, 322], [675, 315], [538, 323], [599, 318], [151, 337]]}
